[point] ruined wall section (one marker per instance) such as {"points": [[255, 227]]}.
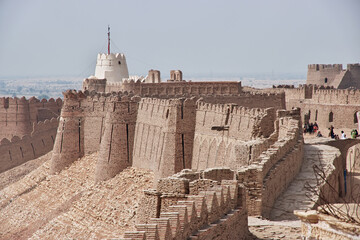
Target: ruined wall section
{"points": [[275, 168], [17, 115], [164, 135], [186, 207], [94, 84], [18, 150], [232, 136]]}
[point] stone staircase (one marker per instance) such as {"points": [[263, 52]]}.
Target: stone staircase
{"points": [[212, 214], [296, 197]]}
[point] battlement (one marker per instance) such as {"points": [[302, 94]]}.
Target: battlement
{"points": [[225, 108], [183, 208], [6, 101], [282, 158], [111, 56], [20, 149], [74, 94], [45, 125], [130, 81], [319, 67], [157, 101], [353, 66]]}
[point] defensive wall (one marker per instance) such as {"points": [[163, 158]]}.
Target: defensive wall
{"points": [[271, 173], [264, 146], [17, 115], [202, 205], [334, 75], [87, 118], [18, 150], [324, 105], [211, 92], [250, 99], [164, 135], [157, 134], [229, 135]]}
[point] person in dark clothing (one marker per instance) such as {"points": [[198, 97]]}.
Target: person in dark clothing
{"points": [[331, 133]]}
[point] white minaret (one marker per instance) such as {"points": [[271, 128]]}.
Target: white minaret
{"points": [[111, 66]]}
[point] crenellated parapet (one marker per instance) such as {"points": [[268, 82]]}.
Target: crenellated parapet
{"points": [[18, 114], [275, 168], [202, 208], [319, 67], [337, 96], [334, 75], [20, 149]]}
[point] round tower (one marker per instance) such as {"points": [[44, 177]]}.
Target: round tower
{"points": [[69, 141], [112, 67]]}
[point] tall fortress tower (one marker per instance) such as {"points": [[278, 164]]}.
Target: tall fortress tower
{"points": [[110, 66]]}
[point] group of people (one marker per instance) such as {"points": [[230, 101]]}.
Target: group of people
{"points": [[311, 128], [354, 134], [314, 128]]}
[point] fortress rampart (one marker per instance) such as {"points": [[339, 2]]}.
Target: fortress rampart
{"points": [[18, 150], [273, 171], [250, 100], [117, 142], [326, 106], [164, 89], [199, 205], [158, 134], [164, 135], [334, 75], [17, 115], [228, 135]]}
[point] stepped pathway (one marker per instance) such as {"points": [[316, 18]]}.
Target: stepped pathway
{"points": [[295, 197]]}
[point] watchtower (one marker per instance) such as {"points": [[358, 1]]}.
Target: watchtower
{"points": [[110, 66]]}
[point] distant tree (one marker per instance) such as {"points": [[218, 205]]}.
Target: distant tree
{"points": [[19, 89], [42, 96]]}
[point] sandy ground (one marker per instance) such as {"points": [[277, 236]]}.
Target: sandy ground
{"points": [[70, 205], [17, 173], [266, 229]]}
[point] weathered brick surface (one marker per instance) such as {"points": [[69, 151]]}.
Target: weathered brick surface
{"points": [[17, 115]]}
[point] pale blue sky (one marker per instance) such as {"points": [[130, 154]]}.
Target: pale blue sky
{"points": [[202, 38]]}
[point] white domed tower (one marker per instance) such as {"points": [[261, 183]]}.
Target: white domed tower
{"points": [[111, 66]]}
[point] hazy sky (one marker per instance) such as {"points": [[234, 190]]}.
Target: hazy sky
{"points": [[207, 38]]}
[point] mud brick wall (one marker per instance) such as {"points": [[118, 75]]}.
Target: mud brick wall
{"points": [[18, 150]]}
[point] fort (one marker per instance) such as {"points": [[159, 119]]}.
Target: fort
{"points": [[217, 152]]}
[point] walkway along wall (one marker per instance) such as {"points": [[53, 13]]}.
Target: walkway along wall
{"points": [[267, 177]]}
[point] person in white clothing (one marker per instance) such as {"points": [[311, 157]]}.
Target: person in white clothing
{"points": [[343, 136]]}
